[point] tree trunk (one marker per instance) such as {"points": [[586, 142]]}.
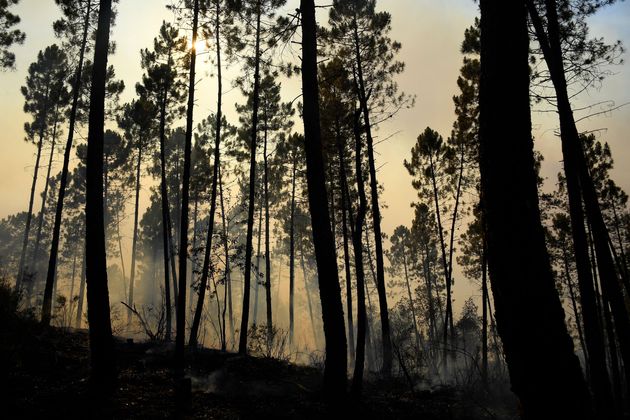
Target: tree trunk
{"points": [[376, 214], [42, 210], [101, 342], [242, 344], [357, 378], [545, 373], [81, 295], [29, 216], [267, 239], [593, 334], [228, 270], [484, 318], [257, 285], [165, 216], [134, 241], [292, 256], [180, 330], [346, 249], [328, 276], [76, 92], [194, 331]]}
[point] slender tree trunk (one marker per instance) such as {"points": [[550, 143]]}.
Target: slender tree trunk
{"points": [[101, 342], [29, 216], [257, 286], [448, 318], [376, 214], [593, 334], [308, 293], [292, 256], [346, 249], [242, 344], [180, 332], [42, 210], [193, 268], [576, 313], [70, 296], [267, 239], [228, 270], [411, 305], [81, 295], [194, 331], [545, 373], [76, 92], [165, 215], [134, 241], [484, 318], [357, 378]]}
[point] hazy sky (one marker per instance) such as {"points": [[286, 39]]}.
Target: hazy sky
{"points": [[430, 31]]}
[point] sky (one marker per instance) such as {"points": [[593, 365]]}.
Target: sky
{"points": [[430, 32]]}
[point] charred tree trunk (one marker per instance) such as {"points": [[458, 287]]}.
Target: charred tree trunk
{"points": [[328, 277], [101, 342], [79, 317], [165, 216], [545, 373]]}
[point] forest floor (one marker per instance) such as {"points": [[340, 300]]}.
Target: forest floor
{"points": [[44, 374]]}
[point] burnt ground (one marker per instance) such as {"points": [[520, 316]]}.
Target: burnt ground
{"points": [[44, 373]]}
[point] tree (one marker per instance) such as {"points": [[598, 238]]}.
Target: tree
{"points": [[137, 121], [9, 36], [163, 84], [101, 341], [252, 13], [362, 35], [182, 389], [43, 97], [580, 187], [74, 27], [223, 20], [544, 372], [328, 276]]}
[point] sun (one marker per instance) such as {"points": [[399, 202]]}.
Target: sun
{"points": [[200, 46]]}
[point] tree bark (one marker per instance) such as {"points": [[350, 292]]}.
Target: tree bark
{"points": [[101, 342], [330, 293], [545, 373]]}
